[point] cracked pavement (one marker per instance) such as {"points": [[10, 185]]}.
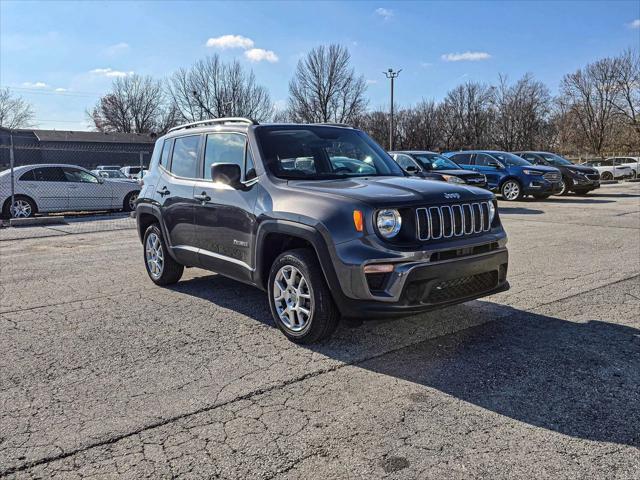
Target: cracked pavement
{"points": [[103, 374]]}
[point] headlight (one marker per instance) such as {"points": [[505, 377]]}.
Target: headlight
{"points": [[452, 179], [532, 172], [388, 222], [492, 212]]}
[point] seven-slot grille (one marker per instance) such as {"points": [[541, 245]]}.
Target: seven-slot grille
{"points": [[447, 221], [552, 176]]}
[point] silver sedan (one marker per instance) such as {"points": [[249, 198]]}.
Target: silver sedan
{"points": [[59, 188]]}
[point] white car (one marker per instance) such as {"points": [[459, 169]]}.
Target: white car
{"points": [[632, 162], [59, 188], [131, 172], [610, 169]]}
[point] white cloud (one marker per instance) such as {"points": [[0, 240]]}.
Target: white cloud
{"points": [[384, 13], [110, 72], [259, 54], [117, 48], [635, 23], [230, 41], [35, 85], [60, 89], [465, 57]]}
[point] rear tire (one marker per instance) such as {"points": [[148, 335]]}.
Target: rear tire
{"points": [[161, 267], [299, 298], [511, 190], [129, 205], [23, 207]]}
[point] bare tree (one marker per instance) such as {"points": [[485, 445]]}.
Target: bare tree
{"points": [[521, 113], [590, 96], [627, 101], [468, 116], [15, 112], [325, 87], [135, 104], [212, 88]]}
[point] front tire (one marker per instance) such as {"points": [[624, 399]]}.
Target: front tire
{"points": [[129, 202], [161, 267], [511, 190], [606, 176], [300, 301]]}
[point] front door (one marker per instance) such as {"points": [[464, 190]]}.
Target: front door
{"points": [[86, 192], [489, 166], [224, 216], [174, 193]]}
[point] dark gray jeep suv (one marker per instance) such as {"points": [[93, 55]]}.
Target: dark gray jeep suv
{"points": [[318, 216]]}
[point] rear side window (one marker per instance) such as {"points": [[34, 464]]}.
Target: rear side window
{"points": [[44, 174], [462, 158], [164, 156], [224, 148], [405, 161], [483, 160], [184, 161]]}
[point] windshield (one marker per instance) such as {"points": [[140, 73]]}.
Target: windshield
{"points": [[433, 161], [322, 152], [554, 159], [510, 159]]}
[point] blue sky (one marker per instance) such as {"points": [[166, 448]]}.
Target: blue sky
{"points": [[62, 55]]}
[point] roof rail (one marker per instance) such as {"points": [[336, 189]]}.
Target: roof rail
{"points": [[333, 124], [213, 121]]}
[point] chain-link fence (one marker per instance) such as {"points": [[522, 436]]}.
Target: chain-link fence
{"points": [[37, 179]]}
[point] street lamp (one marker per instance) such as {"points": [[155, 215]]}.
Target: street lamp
{"points": [[391, 75]]}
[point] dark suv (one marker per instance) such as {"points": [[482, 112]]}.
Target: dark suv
{"points": [[575, 178], [318, 216]]}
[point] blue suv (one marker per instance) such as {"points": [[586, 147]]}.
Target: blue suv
{"points": [[509, 174]]}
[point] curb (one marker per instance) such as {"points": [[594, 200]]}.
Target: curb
{"points": [[28, 222]]}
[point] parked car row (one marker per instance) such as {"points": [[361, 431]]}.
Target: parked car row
{"points": [[513, 175], [132, 172], [59, 187]]}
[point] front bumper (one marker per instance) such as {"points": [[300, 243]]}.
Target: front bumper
{"points": [[419, 286], [535, 185]]}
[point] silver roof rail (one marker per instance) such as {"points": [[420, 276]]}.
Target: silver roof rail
{"points": [[213, 121], [333, 124]]}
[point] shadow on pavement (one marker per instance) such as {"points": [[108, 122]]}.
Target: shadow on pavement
{"points": [[578, 379], [583, 200], [518, 211]]}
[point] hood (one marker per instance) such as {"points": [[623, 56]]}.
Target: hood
{"points": [[581, 168], [394, 191], [540, 168]]}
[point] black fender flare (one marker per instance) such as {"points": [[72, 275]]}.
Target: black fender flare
{"points": [[153, 209]]}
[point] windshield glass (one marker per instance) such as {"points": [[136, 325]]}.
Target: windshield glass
{"points": [[510, 159], [554, 159], [321, 152], [433, 161]]}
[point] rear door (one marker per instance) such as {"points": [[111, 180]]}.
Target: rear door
{"points": [[86, 192], [464, 160], [174, 194], [485, 164], [47, 186], [224, 216]]}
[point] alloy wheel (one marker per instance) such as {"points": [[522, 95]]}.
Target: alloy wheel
{"points": [[154, 256], [563, 187], [293, 298], [511, 190], [21, 209], [132, 201]]}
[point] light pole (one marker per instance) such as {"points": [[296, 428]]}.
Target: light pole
{"points": [[391, 75]]}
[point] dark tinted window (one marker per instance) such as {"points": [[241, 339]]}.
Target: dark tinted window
{"points": [[184, 161], [462, 158], [46, 174], [404, 161], [28, 176], [483, 160], [164, 156], [224, 148]]}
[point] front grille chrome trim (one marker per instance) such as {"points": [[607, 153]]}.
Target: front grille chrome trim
{"points": [[466, 213]]}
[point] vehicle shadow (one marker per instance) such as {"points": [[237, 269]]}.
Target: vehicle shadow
{"points": [[614, 195], [518, 211], [578, 379], [582, 200]]}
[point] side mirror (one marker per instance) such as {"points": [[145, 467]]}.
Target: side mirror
{"points": [[227, 173], [412, 169], [493, 164]]}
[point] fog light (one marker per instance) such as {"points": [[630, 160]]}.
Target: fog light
{"points": [[378, 268]]}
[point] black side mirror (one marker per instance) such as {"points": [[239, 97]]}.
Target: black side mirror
{"points": [[227, 173], [412, 169], [493, 164]]}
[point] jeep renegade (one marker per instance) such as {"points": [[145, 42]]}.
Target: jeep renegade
{"points": [[319, 217]]}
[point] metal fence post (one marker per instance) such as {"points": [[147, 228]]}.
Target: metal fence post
{"points": [[11, 165], [141, 164]]}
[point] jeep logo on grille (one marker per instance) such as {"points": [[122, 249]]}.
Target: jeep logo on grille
{"points": [[451, 195]]}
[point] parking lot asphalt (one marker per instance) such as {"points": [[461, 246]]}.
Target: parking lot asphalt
{"points": [[104, 374]]}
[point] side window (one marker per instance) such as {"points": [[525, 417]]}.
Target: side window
{"points": [[405, 161], [462, 158], [483, 160], [49, 174], [184, 161], [28, 176], [223, 148], [79, 176], [249, 168], [166, 150]]}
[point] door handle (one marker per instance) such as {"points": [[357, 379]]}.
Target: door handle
{"points": [[163, 192], [203, 197]]}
